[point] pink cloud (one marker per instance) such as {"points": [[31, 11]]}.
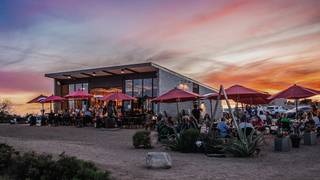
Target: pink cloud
{"points": [[12, 82]]}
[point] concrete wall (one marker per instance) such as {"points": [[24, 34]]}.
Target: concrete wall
{"points": [[168, 81]]}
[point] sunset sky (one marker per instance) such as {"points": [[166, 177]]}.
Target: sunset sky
{"points": [[267, 45]]}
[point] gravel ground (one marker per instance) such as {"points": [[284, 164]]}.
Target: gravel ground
{"points": [[112, 150]]}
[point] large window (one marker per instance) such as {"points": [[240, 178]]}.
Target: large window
{"points": [[77, 87], [137, 88], [128, 87], [142, 87], [147, 87]]}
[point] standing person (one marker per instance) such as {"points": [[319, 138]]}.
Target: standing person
{"points": [[196, 112]]}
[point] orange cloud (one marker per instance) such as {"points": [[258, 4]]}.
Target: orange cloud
{"points": [[268, 75]]}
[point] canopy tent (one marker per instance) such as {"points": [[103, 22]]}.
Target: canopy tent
{"points": [[176, 95], [295, 92], [117, 96]]}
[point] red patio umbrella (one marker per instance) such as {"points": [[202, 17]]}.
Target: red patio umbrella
{"points": [[39, 99], [52, 99], [78, 95], [295, 92], [244, 95], [176, 95], [118, 96]]}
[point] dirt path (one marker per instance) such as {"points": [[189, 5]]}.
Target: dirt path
{"points": [[113, 150]]}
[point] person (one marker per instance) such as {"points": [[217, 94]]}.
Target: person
{"points": [[223, 128], [87, 117], [317, 122], [310, 123], [196, 112], [284, 122]]}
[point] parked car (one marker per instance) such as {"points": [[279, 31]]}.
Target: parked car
{"points": [[276, 109], [301, 109]]}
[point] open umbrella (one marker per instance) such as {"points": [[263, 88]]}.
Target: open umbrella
{"points": [[238, 92], [52, 99], [176, 95], [295, 92], [78, 95], [117, 96], [39, 99]]}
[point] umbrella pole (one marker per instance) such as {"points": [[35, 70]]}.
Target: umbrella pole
{"points": [[177, 103], [42, 110], [296, 102]]}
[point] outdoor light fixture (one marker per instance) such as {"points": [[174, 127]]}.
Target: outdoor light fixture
{"points": [[94, 74], [58, 83], [69, 77], [122, 71]]}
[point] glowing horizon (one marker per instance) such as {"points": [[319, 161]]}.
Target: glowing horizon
{"points": [[266, 45]]}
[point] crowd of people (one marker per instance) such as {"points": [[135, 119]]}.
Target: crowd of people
{"points": [[248, 119], [99, 116]]}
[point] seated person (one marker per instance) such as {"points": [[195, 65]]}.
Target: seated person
{"points": [[223, 128], [246, 126]]}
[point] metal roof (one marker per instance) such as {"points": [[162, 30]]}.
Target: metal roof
{"points": [[118, 70]]}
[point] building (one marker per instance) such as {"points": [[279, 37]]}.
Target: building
{"points": [[143, 81]]}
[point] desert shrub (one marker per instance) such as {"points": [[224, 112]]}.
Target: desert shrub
{"points": [[43, 167], [142, 139], [244, 146], [164, 131], [185, 141], [213, 145], [7, 153]]}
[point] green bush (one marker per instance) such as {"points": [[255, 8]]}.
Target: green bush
{"points": [[44, 167], [142, 139], [184, 142]]}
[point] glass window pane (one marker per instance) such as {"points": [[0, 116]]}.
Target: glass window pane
{"points": [[78, 87], [147, 87], [85, 87], [137, 88], [128, 87], [71, 88], [155, 87]]}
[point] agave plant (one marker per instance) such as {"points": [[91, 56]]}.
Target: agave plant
{"points": [[184, 141], [244, 146]]}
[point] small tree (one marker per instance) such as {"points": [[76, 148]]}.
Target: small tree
{"points": [[5, 107]]}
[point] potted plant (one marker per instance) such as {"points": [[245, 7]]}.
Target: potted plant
{"points": [[282, 141], [309, 136]]}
